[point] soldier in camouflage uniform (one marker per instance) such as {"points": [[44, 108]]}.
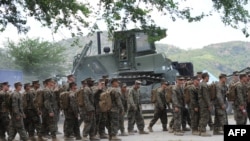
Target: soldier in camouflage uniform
{"points": [[32, 121], [220, 105], [135, 110], [240, 103], [113, 113], [160, 108], [71, 124], [124, 99], [248, 97], [50, 107], [4, 113], [205, 106], [178, 105], [186, 115], [89, 108], [194, 105], [17, 115]]}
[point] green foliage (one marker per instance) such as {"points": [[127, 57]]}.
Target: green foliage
{"points": [[36, 57]]}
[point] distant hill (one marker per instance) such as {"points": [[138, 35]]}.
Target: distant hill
{"points": [[216, 58]]}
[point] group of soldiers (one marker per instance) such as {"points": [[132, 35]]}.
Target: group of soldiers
{"points": [[197, 111], [26, 114]]}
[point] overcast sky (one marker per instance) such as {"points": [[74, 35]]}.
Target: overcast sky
{"points": [[179, 33]]}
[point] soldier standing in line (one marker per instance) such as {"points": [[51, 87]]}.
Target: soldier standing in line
{"points": [[135, 110], [89, 108], [17, 114], [205, 106], [248, 96], [4, 112], [194, 105], [124, 99], [235, 78], [71, 124], [220, 105], [50, 106], [240, 103], [32, 120], [113, 113], [160, 108], [178, 105], [186, 115]]}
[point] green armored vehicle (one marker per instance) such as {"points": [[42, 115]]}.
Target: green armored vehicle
{"points": [[133, 57]]}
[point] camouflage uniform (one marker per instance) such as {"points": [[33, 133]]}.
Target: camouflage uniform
{"points": [[178, 102], [220, 101], [135, 110], [113, 113], [248, 100], [160, 109], [50, 106], [71, 123], [194, 103], [4, 114], [57, 110], [241, 100], [32, 121], [204, 103], [124, 100], [17, 114]]}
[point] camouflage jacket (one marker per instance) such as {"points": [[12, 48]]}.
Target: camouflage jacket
{"points": [[177, 97], [204, 98], [221, 91], [124, 99], [134, 98], [241, 95], [89, 104], [194, 103], [16, 104], [50, 101], [73, 107], [160, 98], [97, 93], [3, 96], [28, 100], [115, 94]]}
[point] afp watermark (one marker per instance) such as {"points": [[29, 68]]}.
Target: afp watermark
{"points": [[236, 132]]}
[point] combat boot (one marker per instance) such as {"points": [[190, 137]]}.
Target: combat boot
{"points": [[32, 138], [131, 133], [123, 134], [54, 138], [205, 134], [104, 136], [115, 138], [195, 132], [85, 138], [217, 131], [78, 138], [94, 138], [171, 130], [41, 138], [150, 129], [178, 133], [143, 132]]}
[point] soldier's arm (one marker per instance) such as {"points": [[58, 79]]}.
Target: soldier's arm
{"points": [[219, 95], [239, 95], [193, 100], [205, 95], [47, 104], [158, 98], [175, 101], [14, 105], [118, 100], [73, 104], [131, 98], [88, 105]]}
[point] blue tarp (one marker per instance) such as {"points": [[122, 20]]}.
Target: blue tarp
{"points": [[11, 76]]}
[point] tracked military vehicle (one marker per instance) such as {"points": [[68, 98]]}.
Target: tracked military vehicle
{"points": [[132, 57]]}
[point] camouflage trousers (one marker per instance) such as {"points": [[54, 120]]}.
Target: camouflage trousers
{"points": [[195, 116], [49, 124], [32, 122], [177, 117], [121, 122], [4, 124], [248, 110], [239, 117], [135, 116], [101, 118], [113, 123], [185, 118], [159, 114], [17, 126], [219, 118], [71, 125], [204, 118], [89, 124]]}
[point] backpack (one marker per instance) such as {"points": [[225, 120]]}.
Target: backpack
{"points": [[232, 92], [212, 91], [154, 95], [168, 94], [187, 94], [64, 100], [39, 99], [105, 102], [80, 98]]}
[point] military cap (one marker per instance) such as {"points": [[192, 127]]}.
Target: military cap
{"points": [[137, 82], [180, 77], [236, 73], [187, 77], [105, 76], [72, 84], [70, 75], [5, 83], [26, 85], [18, 84], [90, 79], [124, 85], [195, 78], [35, 81], [199, 72], [102, 80], [83, 81], [114, 80], [222, 75], [242, 75], [205, 74], [49, 80]]}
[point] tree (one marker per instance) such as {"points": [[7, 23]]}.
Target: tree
{"points": [[73, 14], [37, 58]]}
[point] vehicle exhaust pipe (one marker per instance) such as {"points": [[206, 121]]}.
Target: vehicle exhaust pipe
{"points": [[99, 48]]}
